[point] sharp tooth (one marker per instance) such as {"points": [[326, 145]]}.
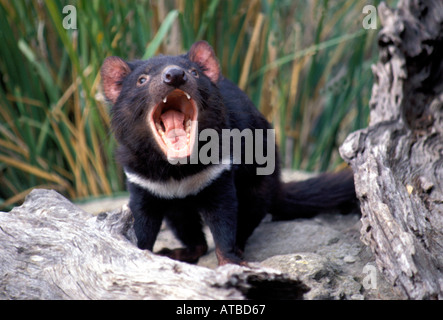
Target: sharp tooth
{"points": [[188, 126], [188, 96], [165, 99], [159, 129]]}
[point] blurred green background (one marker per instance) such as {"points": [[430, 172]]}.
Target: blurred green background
{"points": [[305, 64]]}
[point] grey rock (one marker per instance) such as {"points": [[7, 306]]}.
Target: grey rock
{"points": [[349, 259], [325, 253]]}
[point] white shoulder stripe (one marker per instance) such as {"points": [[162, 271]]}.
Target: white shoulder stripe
{"points": [[170, 189]]}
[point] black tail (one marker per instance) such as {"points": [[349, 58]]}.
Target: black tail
{"points": [[325, 193]]}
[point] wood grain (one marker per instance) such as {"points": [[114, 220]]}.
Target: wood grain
{"points": [[398, 160], [51, 249]]}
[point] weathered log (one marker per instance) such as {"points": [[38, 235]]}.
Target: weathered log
{"points": [[51, 249], [398, 160]]}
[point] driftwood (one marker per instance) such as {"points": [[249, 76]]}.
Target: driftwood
{"points": [[398, 160], [51, 249]]}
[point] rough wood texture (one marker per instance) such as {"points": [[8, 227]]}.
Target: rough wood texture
{"points": [[398, 160], [51, 249]]}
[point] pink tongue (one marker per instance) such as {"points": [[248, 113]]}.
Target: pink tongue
{"points": [[175, 133]]}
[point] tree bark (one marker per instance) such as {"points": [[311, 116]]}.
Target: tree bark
{"points": [[51, 249], [398, 160]]}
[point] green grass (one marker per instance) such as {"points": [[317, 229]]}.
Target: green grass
{"points": [[305, 64]]}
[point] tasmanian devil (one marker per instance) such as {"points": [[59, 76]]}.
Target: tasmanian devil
{"points": [[163, 109]]}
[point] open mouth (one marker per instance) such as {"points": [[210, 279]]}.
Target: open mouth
{"points": [[173, 121]]}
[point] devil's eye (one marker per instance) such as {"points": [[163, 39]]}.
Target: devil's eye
{"points": [[142, 79], [194, 72]]}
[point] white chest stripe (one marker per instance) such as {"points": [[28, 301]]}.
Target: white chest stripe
{"points": [[172, 188]]}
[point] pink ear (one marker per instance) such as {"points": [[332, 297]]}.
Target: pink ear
{"points": [[203, 54], [113, 71]]}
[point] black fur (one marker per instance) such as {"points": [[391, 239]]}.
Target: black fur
{"points": [[234, 204]]}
